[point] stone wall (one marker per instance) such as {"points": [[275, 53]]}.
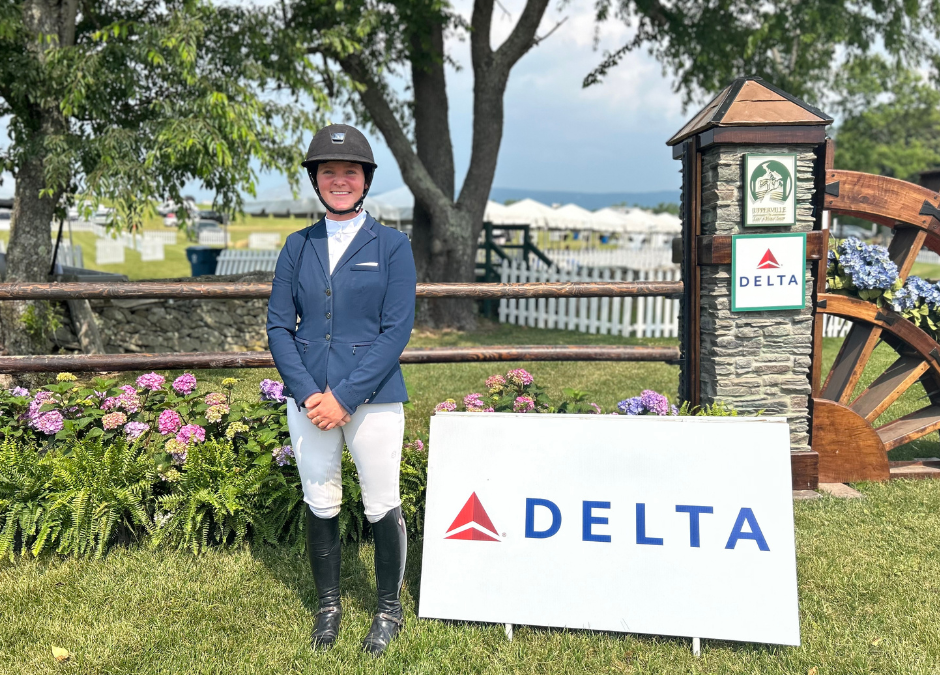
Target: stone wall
{"points": [[144, 325], [754, 360]]}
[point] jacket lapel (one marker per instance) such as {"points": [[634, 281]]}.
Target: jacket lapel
{"points": [[318, 240], [363, 237]]}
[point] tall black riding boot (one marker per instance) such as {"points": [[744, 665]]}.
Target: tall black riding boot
{"points": [[391, 545], [323, 551]]}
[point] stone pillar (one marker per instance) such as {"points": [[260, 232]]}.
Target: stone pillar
{"points": [[750, 360], [754, 360]]}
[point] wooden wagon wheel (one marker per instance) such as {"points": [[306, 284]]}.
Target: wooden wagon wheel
{"points": [[850, 444]]}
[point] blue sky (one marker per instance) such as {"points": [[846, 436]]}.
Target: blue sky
{"points": [[557, 136]]}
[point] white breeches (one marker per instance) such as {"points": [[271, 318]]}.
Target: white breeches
{"points": [[374, 437]]}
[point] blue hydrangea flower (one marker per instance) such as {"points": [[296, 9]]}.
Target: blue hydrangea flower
{"points": [[867, 265], [631, 406]]}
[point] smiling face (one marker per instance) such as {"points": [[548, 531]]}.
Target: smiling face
{"points": [[341, 185]]}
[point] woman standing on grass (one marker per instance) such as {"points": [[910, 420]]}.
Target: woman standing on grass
{"points": [[351, 282]]}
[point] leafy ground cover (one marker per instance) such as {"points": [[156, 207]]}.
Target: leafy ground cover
{"points": [[868, 575]]}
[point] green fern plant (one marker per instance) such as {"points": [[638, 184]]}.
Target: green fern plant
{"points": [[25, 478], [414, 484], [216, 499], [99, 493]]}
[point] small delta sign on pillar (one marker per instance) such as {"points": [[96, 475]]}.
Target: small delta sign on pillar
{"points": [[768, 272]]}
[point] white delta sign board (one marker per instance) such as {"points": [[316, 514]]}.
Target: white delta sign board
{"points": [[639, 524], [768, 271]]}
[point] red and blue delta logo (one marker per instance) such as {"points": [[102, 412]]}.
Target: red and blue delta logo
{"points": [[472, 523]]}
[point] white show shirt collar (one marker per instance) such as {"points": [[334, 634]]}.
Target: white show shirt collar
{"points": [[340, 234]]}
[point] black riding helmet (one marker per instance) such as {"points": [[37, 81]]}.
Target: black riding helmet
{"points": [[340, 143]]}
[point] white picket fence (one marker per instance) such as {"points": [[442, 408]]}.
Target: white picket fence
{"points": [[264, 241], [644, 258], [214, 238], [240, 261], [927, 256], [639, 317], [166, 237], [109, 251]]}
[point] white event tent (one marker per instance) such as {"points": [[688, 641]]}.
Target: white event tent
{"points": [[396, 206]]}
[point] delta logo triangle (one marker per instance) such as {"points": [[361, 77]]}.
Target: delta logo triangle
{"points": [[472, 523], [768, 262]]}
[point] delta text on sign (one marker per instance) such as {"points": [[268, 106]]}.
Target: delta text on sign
{"points": [[663, 525]]}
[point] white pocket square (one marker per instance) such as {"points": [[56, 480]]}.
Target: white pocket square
{"points": [[370, 264]]}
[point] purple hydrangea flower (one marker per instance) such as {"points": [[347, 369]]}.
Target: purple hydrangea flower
{"points": [[215, 398], [135, 429], [495, 382], [111, 403], [655, 404], [185, 384], [19, 391], [283, 455], [130, 401], [113, 420], [41, 398], [151, 381], [191, 432], [177, 450], [49, 423], [272, 390], [169, 422], [523, 404], [474, 402], [519, 377], [450, 405]]}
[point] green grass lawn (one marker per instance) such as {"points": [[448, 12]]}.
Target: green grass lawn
{"points": [[869, 579]]}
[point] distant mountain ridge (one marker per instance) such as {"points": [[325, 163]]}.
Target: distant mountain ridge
{"points": [[588, 200]]}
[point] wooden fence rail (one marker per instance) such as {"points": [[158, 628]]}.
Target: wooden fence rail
{"points": [[222, 291], [226, 291], [203, 360]]}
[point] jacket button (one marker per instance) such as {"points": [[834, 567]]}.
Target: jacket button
{"points": [[327, 336], [328, 315], [329, 292], [366, 401]]}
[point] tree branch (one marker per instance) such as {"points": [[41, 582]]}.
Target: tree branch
{"points": [[490, 75], [413, 170], [522, 38]]}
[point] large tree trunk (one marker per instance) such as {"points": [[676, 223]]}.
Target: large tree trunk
{"points": [[433, 147], [25, 326]]}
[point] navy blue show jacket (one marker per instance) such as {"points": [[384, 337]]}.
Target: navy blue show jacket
{"points": [[353, 323]]}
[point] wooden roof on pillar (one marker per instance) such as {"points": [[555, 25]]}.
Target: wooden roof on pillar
{"points": [[749, 102]]}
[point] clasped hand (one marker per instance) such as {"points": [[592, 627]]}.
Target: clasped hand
{"points": [[325, 411]]}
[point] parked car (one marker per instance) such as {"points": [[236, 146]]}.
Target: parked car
{"points": [[5, 214], [104, 215], [213, 215], [193, 229]]}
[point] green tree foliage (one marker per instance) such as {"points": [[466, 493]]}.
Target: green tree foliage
{"points": [[127, 101], [799, 45], [890, 121]]}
